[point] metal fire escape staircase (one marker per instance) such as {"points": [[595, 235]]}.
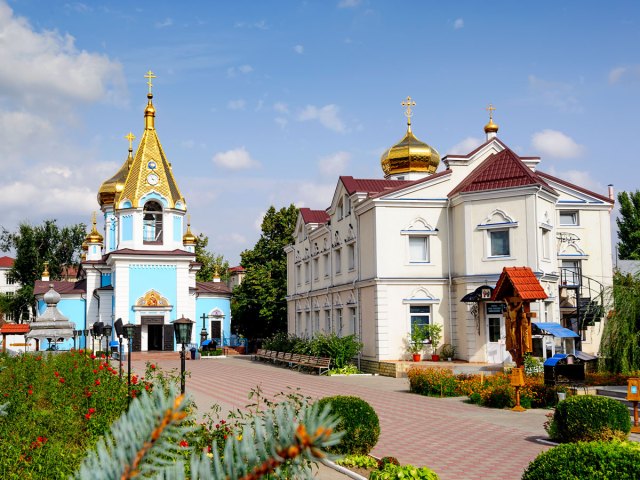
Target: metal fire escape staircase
{"points": [[581, 298]]}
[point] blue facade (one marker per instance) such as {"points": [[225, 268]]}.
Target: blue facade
{"points": [[75, 310], [162, 278], [105, 279], [177, 228], [206, 306], [127, 227]]}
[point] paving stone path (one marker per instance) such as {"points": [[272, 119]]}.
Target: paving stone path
{"points": [[457, 440]]}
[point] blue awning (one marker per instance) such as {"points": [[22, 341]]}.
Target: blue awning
{"points": [[555, 329]]}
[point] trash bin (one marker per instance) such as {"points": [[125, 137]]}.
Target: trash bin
{"points": [[193, 351]]}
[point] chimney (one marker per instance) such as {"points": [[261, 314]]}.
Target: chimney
{"points": [[611, 192]]}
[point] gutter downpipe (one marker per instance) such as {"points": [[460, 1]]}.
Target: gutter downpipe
{"points": [[449, 270]]}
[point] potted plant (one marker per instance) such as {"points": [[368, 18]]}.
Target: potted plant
{"points": [[448, 351], [434, 334], [415, 342]]}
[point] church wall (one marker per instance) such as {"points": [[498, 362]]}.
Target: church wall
{"points": [[121, 292], [368, 321], [162, 278], [185, 302], [206, 306], [367, 245]]}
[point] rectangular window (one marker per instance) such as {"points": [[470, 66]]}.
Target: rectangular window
{"points": [[308, 329], [499, 243], [10, 281], [570, 272], [419, 316], [316, 321], [494, 329], [327, 265], [316, 273], [351, 254], [327, 321], [353, 320], [418, 249], [338, 257], [307, 272], [298, 275], [546, 244], [347, 205], [569, 217], [339, 322], [340, 210]]}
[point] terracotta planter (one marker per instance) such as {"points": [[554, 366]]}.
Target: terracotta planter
{"points": [[417, 357], [240, 350], [435, 358]]}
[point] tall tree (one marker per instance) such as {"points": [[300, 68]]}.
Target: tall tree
{"points": [[629, 225], [259, 305], [210, 262], [620, 344], [34, 245]]}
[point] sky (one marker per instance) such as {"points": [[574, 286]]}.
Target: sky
{"points": [[267, 103]]}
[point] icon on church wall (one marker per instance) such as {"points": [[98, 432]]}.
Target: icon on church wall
{"points": [[152, 299]]}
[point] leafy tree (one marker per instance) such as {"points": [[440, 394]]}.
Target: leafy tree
{"points": [[210, 262], [259, 306], [34, 245], [629, 225], [620, 344]]}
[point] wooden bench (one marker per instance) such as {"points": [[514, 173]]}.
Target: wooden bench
{"points": [[322, 364]]}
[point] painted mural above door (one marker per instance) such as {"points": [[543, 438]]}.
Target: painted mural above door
{"points": [[152, 299]]}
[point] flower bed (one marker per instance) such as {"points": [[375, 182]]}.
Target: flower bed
{"points": [[490, 391]]}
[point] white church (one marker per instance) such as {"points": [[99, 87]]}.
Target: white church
{"points": [[427, 243]]}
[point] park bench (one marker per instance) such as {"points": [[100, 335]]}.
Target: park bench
{"points": [[322, 364]]}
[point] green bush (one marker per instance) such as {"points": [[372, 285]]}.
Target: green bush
{"points": [[358, 461], [434, 382], [404, 472], [589, 417], [358, 419], [340, 349], [592, 460], [384, 461]]}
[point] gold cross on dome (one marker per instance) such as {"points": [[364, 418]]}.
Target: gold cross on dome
{"points": [[131, 137], [150, 75], [408, 103], [93, 219], [490, 109]]}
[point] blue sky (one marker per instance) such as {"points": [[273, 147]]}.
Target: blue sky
{"points": [[262, 103]]}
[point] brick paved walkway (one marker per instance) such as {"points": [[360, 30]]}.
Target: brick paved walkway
{"points": [[457, 440]]}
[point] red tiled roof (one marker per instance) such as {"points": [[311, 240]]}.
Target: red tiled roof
{"points": [[15, 328], [501, 170], [239, 268], [61, 286], [212, 287], [314, 216], [520, 282], [370, 185], [572, 185], [6, 262]]}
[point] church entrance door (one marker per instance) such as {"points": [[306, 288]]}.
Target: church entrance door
{"points": [[155, 337], [216, 331]]}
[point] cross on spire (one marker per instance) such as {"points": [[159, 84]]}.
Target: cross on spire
{"points": [[408, 103], [490, 109], [93, 219], [150, 76], [131, 137]]}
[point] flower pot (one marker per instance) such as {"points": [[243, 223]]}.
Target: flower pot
{"points": [[417, 357], [435, 358]]}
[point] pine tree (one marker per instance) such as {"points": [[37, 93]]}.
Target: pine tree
{"points": [[629, 225]]}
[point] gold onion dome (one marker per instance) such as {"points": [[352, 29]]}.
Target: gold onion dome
{"points": [[410, 154], [113, 186], [490, 127], [189, 238], [94, 236]]}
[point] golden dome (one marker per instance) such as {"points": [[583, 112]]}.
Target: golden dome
{"points": [[409, 154], [491, 127], [109, 188], [85, 246], [94, 236], [189, 238]]}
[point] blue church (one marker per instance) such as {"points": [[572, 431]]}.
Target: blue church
{"points": [[142, 267]]}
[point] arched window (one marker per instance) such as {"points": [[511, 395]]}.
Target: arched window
{"points": [[152, 222]]}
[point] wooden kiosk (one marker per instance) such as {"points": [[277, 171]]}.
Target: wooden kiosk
{"points": [[517, 287]]}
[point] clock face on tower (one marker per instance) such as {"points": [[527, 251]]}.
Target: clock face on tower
{"points": [[152, 179]]}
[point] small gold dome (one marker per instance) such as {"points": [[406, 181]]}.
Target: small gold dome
{"points": [[109, 188], [85, 247], [94, 236], [189, 238], [491, 127], [410, 155]]}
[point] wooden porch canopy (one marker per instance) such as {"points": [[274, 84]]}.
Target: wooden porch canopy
{"points": [[13, 329]]}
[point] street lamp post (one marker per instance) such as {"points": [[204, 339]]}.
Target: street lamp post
{"points": [[86, 335], [97, 333], [107, 329], [182, 330], [75, 334], [120, 356], [129, 331]]}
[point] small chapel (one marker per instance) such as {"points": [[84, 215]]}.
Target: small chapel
{"points": [[142, 268]]}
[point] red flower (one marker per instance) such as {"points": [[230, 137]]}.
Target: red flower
{"points": [[56, 374], [95, 371], [134, 379], [152, 366], [146, 387], [30, 392], [101, 367], [88, 394], [42, 439], [184, 443], [87, 416], [92, 410], [209, 449], [61, 380], [93, 357], [97, 382]]}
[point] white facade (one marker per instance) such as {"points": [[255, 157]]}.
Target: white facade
{"points": [[389, 253]]}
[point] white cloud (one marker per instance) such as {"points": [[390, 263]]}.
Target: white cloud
{"points": [[458, 24], [327, 116], [281, 107], [313, 194], [581, 178], [236, 159], [559, 95], [258, 222], [298, 49], [238, 238], [242, 69], [281, 122], [70, 73], [556, 144], [348, 3], [465, 146], [334, 164], [167, 22], [238, 104], [619, 73]]}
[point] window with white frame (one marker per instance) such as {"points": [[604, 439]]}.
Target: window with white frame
{"points": [[327, 320], [570, 272], [418, 249], [351, 256], [347, 205], [499, 243], [339, 322], [307, 272], [316, 321], [308, 328], [327, 265], [298, 275], [546, 243], [340, 210], [353, 320], [569, 218], [299, 323], [338, 259], [316, 273], [420, 315]]}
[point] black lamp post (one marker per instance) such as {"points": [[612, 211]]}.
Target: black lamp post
{"points": [[203, 332], [86, 335], [129, 331], [97, 333], [107, 329], [182, 330], [75, 334]]}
